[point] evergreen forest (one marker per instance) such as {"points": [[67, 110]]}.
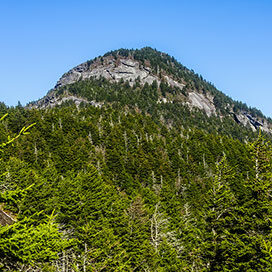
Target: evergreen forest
{"points": [[131, 184]]}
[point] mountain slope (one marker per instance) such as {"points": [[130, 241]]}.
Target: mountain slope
{"points": [[176, 84], [134, 175]]}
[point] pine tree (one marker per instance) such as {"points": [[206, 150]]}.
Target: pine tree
{"points": [[23, 242], [253, 252], [218, 218]]}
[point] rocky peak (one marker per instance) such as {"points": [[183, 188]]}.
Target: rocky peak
{"points": [[116, 69], [144, 66]]}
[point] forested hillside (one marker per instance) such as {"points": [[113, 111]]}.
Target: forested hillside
{"points": [[105, 175]]}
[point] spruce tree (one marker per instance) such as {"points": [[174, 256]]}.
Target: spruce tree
{"points": [[218, 219], [253, 252]]}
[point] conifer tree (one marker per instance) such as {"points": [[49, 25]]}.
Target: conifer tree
{"points": [[218, 218], [24, 242], [253, 252]]}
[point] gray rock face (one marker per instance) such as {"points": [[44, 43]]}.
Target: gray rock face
{"points": [[202, 102], [5, 219], [246, 119], [52, 100], [114, 70]]}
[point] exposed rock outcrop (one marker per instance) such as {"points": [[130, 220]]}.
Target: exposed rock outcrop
{"points": [[246, 119], [52, 100], [202, 102], [114, 70], [5, 219]]}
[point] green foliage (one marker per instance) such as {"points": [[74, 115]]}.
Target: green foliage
{"points": [[23, 131], [25, 243], [134, 183], [219, 218]]}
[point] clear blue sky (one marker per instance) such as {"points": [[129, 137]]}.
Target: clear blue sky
{"points": [[228, 42]]}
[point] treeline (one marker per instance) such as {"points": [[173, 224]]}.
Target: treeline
{"points": [[163, 103]]}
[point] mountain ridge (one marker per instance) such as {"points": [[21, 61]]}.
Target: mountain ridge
{"points": [[147, 65]]}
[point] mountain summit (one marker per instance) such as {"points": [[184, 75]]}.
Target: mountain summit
{"points": [[175, 84], [145, 65]]}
